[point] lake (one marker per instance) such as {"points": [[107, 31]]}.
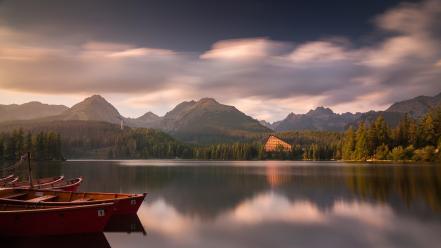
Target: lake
{"points": [[263, 203]]}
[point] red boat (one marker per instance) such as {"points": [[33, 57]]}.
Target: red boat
{"points": [[12, 180], [36, 183], [123, 203], [32, 220], [65, 185]]}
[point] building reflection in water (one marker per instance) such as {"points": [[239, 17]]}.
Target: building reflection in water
{"points": [[270, 203], [269, 218]]}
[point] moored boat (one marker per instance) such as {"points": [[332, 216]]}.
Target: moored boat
{"points": [[12, 180], [35, 220], [35, 183], [7, 178], [123, 203], [65, 185]]}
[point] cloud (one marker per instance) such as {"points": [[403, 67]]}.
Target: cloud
{"points": [[248, 72], [317, 52], [244, 49]]}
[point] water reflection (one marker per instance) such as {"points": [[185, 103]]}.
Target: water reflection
{"points": [[270, 219], [261, 204], [74, 241], [128, 223]]}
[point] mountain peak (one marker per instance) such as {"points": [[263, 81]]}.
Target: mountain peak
{"points": [[208, 100], [93, 108], [291, 115], [209, 118], [149, 115], [33, 103], [94, 98], [321, 110], [320, 118]]}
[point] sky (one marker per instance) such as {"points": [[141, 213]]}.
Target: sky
{"points": [[267, 58]]}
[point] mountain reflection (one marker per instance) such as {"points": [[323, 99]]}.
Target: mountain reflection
{"points": [[273, 215], [262, 204], [194, 188]]}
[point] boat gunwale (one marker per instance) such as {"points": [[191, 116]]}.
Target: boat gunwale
{"points": [[40, 208], [126, 196], [6, 179], [5, 184], [68, 183], [58, 179]]}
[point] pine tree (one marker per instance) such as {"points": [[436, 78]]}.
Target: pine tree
{"points": [[428, 131], [372, 138], [412, 133], [383, 136], [361, 149], [348, 146]]}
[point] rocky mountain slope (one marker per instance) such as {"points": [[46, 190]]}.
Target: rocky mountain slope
{"points": [[417, 106]]}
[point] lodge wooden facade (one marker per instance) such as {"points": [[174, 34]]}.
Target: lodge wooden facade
{"points": [[276, 144]]}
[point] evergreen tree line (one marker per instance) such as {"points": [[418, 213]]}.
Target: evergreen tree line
{"points": [[147, 143], [307, 145], [412, 139], [42, 145]]}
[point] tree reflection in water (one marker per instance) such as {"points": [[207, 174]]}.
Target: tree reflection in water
{"points": [[271, 203]]}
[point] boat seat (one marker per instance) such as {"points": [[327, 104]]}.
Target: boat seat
{"points": [[14, 196], [42, 198], [82, 199]]}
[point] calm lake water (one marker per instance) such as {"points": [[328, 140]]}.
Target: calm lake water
{"points": [[264, 203]]}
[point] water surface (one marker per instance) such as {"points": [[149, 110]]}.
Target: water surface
{"points": [[266, 203]]}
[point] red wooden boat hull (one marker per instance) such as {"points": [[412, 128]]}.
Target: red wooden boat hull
{"points": [[55, 221], [129, 205], [121, 206]]}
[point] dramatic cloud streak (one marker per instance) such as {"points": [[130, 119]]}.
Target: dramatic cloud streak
{"points": [[247, 72]]}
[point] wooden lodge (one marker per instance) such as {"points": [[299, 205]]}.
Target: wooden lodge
{"points": [[274, 143]]}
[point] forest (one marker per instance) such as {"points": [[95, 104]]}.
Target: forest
{"points": [[410, 140], [42, 145]]}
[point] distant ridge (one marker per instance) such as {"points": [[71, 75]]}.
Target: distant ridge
{"points": [[209, 120], [149, 119], [417, 106], [29, 111], [319, 119]]}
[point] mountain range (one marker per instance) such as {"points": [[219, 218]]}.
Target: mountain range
{"points": [[207, 120], [320, 119], [324, 119], [29, 111]]}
